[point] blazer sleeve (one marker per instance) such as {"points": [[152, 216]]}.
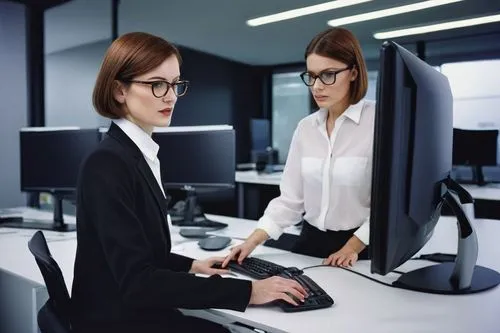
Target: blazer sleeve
{"points": [[179, 262], [107, 197]]}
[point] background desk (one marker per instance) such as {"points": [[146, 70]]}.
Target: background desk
{"points": [[245, 178], [487, 197], [360, 305]]}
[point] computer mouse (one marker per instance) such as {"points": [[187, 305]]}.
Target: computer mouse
{"points": [[214, 243]]}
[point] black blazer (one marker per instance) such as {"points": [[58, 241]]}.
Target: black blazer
{"points": [[125, 273]]}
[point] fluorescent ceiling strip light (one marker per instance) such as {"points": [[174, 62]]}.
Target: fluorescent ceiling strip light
{"points": [[438, 27], [290, 14], [389, 12]]}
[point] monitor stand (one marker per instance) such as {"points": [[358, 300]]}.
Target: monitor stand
{"points": [[463, 276], [189, 219], [477, 175], [56, 225]]}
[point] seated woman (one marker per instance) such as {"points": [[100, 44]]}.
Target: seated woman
{"points": [[126, 277]]}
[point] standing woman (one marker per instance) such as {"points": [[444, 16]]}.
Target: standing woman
{"points": [[327, 174], [126, 278]]}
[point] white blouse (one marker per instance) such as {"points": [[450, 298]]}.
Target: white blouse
{"points": [[328, 179]]}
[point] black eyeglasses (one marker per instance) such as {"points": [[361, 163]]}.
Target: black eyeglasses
{"points": [[328, 76], [160, 88]]}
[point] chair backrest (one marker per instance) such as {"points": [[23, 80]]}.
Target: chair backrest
{"points": [[59, 301]]}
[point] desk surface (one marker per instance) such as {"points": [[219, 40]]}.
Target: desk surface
{"points": [[488, 192], [253, 177], [360, 305]]}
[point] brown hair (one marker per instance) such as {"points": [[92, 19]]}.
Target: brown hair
{"points": [[130, 55], [342, 45]]}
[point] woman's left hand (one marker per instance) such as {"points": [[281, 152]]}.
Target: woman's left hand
{"points": [[205, 266], [344, 257], [347, 255]]}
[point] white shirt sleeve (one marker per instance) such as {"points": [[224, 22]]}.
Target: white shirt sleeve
{"points": [[363, 233], [287, 209]]}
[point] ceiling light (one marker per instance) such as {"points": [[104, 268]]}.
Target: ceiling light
{"points": [[389, 12], [289, 14], [438, 27]]}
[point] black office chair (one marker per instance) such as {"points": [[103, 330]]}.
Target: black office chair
{"points": [[54, 316]]}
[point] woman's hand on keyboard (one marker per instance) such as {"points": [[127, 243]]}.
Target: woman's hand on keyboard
{"points": [[206, 266], [243, 250], [277, 288]]}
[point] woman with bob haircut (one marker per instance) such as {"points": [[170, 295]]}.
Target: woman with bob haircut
{"points": [[327, 177], [126, 278]]}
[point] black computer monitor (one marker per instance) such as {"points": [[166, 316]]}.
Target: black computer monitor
{"points": [[50, 162], [475, 148], [261, 134], [196, 158], [411, 181]]}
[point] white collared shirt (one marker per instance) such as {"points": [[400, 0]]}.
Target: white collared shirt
{"points": [[327, 178], [146, 145]]}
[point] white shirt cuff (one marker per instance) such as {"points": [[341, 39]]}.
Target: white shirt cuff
{"points": [[272, 229], [363, 233]]}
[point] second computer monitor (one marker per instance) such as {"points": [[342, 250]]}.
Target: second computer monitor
{"points": [[50, 162], [197, 158], [51, 158], [412, 156], [412, 164]]}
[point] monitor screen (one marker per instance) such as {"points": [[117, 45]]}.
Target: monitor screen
{"points": [[412, 156], [204, 158], [260, 130], [50, 158], [475, 147]]}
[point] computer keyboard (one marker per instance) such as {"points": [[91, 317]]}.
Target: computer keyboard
{"points": [[256, 268], [262, 269], [317, 298]]}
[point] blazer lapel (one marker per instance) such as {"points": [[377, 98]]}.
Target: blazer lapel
{"points": [[116, 132], [153, 186]]}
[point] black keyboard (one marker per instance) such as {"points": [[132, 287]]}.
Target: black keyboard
{"points": [[317, 297], [256, 268], [262, 269]]}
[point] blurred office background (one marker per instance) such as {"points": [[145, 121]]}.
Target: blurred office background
{"points": [[50, 53]]}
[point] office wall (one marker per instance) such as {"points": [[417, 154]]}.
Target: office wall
{"points": [[13, 97], [221, 92], [69, 80]]}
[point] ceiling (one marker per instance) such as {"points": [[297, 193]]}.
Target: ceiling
{"points": [[218, 26]]}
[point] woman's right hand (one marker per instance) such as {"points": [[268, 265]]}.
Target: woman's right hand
{"points": [[275, 288], [243, 250]]}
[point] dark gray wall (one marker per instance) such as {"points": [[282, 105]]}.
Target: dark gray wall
{"points": [[221, 92], [13, 97], [69, 80]]}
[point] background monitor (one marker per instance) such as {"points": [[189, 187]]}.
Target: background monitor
{"points": [[50, 162], [196, 158], [260, 130], [475, 148], [204, 158], [50, 159], [411, 177]]}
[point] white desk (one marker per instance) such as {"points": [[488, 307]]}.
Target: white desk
{"points": [[253, 177], [488, 192], [360, 305]]}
